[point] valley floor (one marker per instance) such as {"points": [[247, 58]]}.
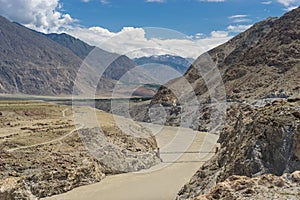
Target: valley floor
{"points": [[42, 154]]}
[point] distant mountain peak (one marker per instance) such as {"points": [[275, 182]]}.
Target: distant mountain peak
{"points": [[178, 63]]}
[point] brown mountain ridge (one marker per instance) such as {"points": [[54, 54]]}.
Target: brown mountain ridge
{"points": [[260, 62]]}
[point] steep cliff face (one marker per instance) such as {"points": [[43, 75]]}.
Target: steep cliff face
{"points": [[254, 141]]}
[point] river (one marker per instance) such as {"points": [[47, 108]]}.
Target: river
{"points": [[161, 182]]}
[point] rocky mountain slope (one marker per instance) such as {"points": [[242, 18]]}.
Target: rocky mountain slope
{"points": [[38, 64], [260, 62], [78, 47], [34, 64]]}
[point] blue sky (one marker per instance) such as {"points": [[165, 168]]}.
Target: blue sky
{"points": [[185, 28], [187, 16]]}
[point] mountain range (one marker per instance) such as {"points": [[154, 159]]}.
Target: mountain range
{"points": [[48, 64], [178, 63]]}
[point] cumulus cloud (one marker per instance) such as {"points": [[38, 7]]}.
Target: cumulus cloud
{"points": [[41, 15], [134, 41]]}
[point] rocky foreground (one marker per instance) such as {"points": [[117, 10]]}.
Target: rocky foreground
{"points": [[266, 186], [49, 168], [255, 141]]}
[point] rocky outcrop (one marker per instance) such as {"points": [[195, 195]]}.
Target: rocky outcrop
{"points": [[254, 141], [25, 175], [118, 152], [266, 186]]}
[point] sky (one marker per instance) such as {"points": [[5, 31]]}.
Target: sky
{"points": [[145, 27]]}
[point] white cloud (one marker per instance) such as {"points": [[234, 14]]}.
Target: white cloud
{"points": [[266, 2], [41, 15], [219, 34], [238, 28], [239, 18], [85, 1], [133, 42], [198, 36]]}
